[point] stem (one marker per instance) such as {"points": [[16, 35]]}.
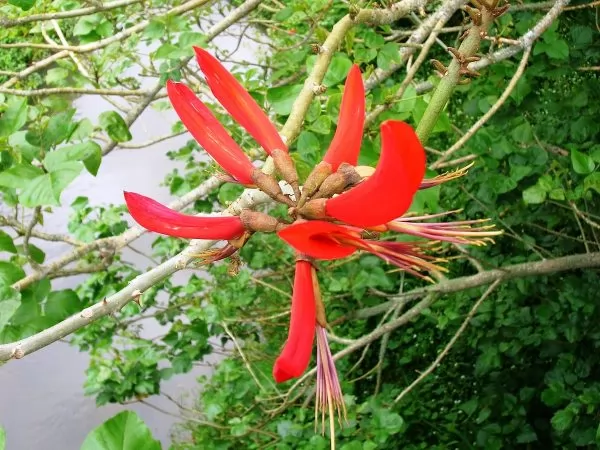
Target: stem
{"points": [[441, 95]]}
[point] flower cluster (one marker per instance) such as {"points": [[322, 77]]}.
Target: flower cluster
{"points": [[341, 207]]}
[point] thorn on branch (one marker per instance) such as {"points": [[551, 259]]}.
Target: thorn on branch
{"points": [[137, 297]]}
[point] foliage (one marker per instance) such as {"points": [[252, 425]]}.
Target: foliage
{"points": [[125, 431], [521, 376]]}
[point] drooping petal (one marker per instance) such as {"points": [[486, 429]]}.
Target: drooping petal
{"points": [[209, 133], [345, 145], [294, 358], [388, 193], [238, 102], [316, 238], [156, 217]]}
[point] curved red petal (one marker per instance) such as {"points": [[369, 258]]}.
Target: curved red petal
{"points": [[345, 145], [238, 102], [315, 238], [294, 359], [156, 217], [388, 193], [209, 133]]}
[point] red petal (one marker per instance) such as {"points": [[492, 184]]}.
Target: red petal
{"points": [[294, 359], [209, 133], [315, 238], [238, 102], [345, 145], [388, 193], [156, 217]]}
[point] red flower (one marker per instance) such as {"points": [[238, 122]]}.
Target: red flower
{"points": [[209, 133], [388, 193], [294, 358], [238, 102], [345, 145], [325, 240], [156, 217]]}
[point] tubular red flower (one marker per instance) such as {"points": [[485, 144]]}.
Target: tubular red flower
{"points": [[207, 130], [317, 239], [345, 145], [156, 217], [388, 193], [294, 358], [238, 102]]}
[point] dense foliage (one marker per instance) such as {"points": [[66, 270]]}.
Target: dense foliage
{"points": [[524, 374]]}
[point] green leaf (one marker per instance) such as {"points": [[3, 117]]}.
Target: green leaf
{"points": [[56, 75], [62, 304], [155, 29], [14, 117], [282, 98], [60, 126], [582, 163], [125, 431], [10, 300], [592, 182], [24, 5], [2, 438], [322, 125], [19, 142], [308, 146], [83, 130], [563, 419], [388, 55], [188, 39], [19, 176], [337, 71], [46, 189], [10, 273], [6, 243], [115, 126], [229, 192], [534, 195], [86, 151]]}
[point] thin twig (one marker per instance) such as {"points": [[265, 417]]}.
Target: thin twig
{"points": [[450, 344]]}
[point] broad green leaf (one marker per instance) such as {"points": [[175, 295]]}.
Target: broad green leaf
{"points": [[282, 98], [6, 243], [19, 142], [125, 431], [188, 39], [19, 176], [115, 126], [308, 146], [83, 130], [2, 439], [57, 76], [60, 126], [592, 181], [582, 163], [24, 5], [36, 253], [10, 273], [534, 195], [10, 299], [322, 125], [85, 151], [155, 29], [62, 304], [337, 71], [562, 420], [388, 55], [14, 117], [46, 189], [228, 192]]}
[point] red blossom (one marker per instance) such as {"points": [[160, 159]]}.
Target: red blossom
{"points": [[238, 102], [156, 217], [345, 145], [388, 193], [295, 357], [211, 135]]}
